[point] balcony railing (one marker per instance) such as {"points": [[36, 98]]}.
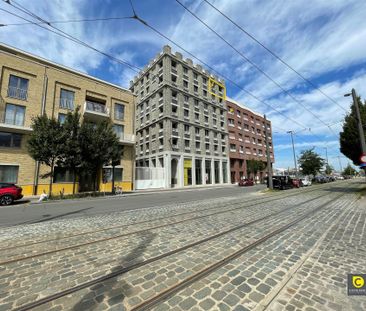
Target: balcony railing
{"points": [[66, 103], [18, 93], [96, 107], [126, 138]]}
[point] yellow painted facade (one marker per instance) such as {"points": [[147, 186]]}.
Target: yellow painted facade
{"points": [[45, 80]]}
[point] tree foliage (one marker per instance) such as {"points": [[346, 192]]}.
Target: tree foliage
{"points": [[70, 156], [45, 143], [254, 166], [310, 162], [349, 137], [98, 146], [328, 169], [349, 171]]}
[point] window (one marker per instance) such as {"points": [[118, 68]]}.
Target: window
{"points": [[119, 130], [206, 119], [204, 93], [186, 128], [186, 143], [204, 80], [196, 103], [198, 145], [186, 98], [196, 116], [18, 87], [186, 113], [207, 146], [174, 64], [185, 70], [195, 75], [62, 175], [207, 133], [61, 118], [174, 79], [195, 89], [14, 114], [107, 174], [185, 84], [9, 173], [197, 131], [67, 99], [10, 140]]}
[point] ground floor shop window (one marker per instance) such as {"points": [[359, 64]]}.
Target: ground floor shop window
{"points": [[108, 174], [217, 172], [224, 172], [198, 168], [9, 173], [62, 175], [208, 171]]}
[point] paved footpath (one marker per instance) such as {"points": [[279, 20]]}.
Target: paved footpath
{"points": [[279, 251]]}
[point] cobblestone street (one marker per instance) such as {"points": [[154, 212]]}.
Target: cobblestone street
{"points": [[289, 250]]}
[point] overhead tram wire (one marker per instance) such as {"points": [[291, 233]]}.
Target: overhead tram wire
{"points": [[220, 74], [254, 65], [67, 36], [274, 54]]}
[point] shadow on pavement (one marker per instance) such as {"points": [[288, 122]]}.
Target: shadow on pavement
{"points": [[113, 289]]}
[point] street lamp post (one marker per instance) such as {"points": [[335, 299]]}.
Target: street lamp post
{"points": [[360, 127], [293, 150]]}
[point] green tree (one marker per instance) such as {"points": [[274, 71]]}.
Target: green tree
{"points": [[98, 143], [254, 166], [349, 171], [349, 137], [328, 169], [70, 155], [310, 162], [44, 143]]}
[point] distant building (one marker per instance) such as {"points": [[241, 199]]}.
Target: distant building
{"points": [[31, 86], [181, 126], [246, 140]]}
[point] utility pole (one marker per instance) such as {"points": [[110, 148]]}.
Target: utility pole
{"points": [[293, 150], [326, 154], [340, 163], [359, 121], [269, 164]]}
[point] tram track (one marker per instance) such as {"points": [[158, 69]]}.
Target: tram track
{"points": [[124, 235], [201, 274]]}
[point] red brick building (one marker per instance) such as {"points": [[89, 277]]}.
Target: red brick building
{"points": [[246, 140]]}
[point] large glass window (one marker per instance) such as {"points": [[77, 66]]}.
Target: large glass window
{"points": [[67, 99], [119, 130], [107, 174], [18, 87], [9, 173], [208, 171], [119, 111], [62, 175], [14, 114], [198, 168], [10, 140], [217, 171]]}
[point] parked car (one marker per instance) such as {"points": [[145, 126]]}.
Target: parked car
{"points": [[281, 182], [296, 183], [306, 182], [9, 193], [246, 182]]}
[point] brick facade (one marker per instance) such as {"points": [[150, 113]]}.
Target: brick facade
{"points": [[246, 140]]}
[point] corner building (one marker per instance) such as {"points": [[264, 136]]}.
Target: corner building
{"points": [[181, 130], [247, 140], [32, 86]]}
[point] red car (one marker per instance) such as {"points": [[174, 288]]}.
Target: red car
{"points": [[246, 182], [9, 193]]}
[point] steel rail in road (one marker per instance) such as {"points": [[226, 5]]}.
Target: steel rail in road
{"points": [[155, 300]]}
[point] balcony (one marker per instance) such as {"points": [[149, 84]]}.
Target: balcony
{"points": [[174, 101], [175, 133], [174, 71], [127, 139], [13, 124], [95, 110], [161, 101], [18, 93]]}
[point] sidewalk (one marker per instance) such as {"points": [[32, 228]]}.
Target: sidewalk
{"points": [[34, 199]]}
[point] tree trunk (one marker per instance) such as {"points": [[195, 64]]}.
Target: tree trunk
{"points": [[113, 190], [74, 181], [51, 178]]}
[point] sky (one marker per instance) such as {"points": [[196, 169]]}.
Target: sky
{"points": [[325, 41]]}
